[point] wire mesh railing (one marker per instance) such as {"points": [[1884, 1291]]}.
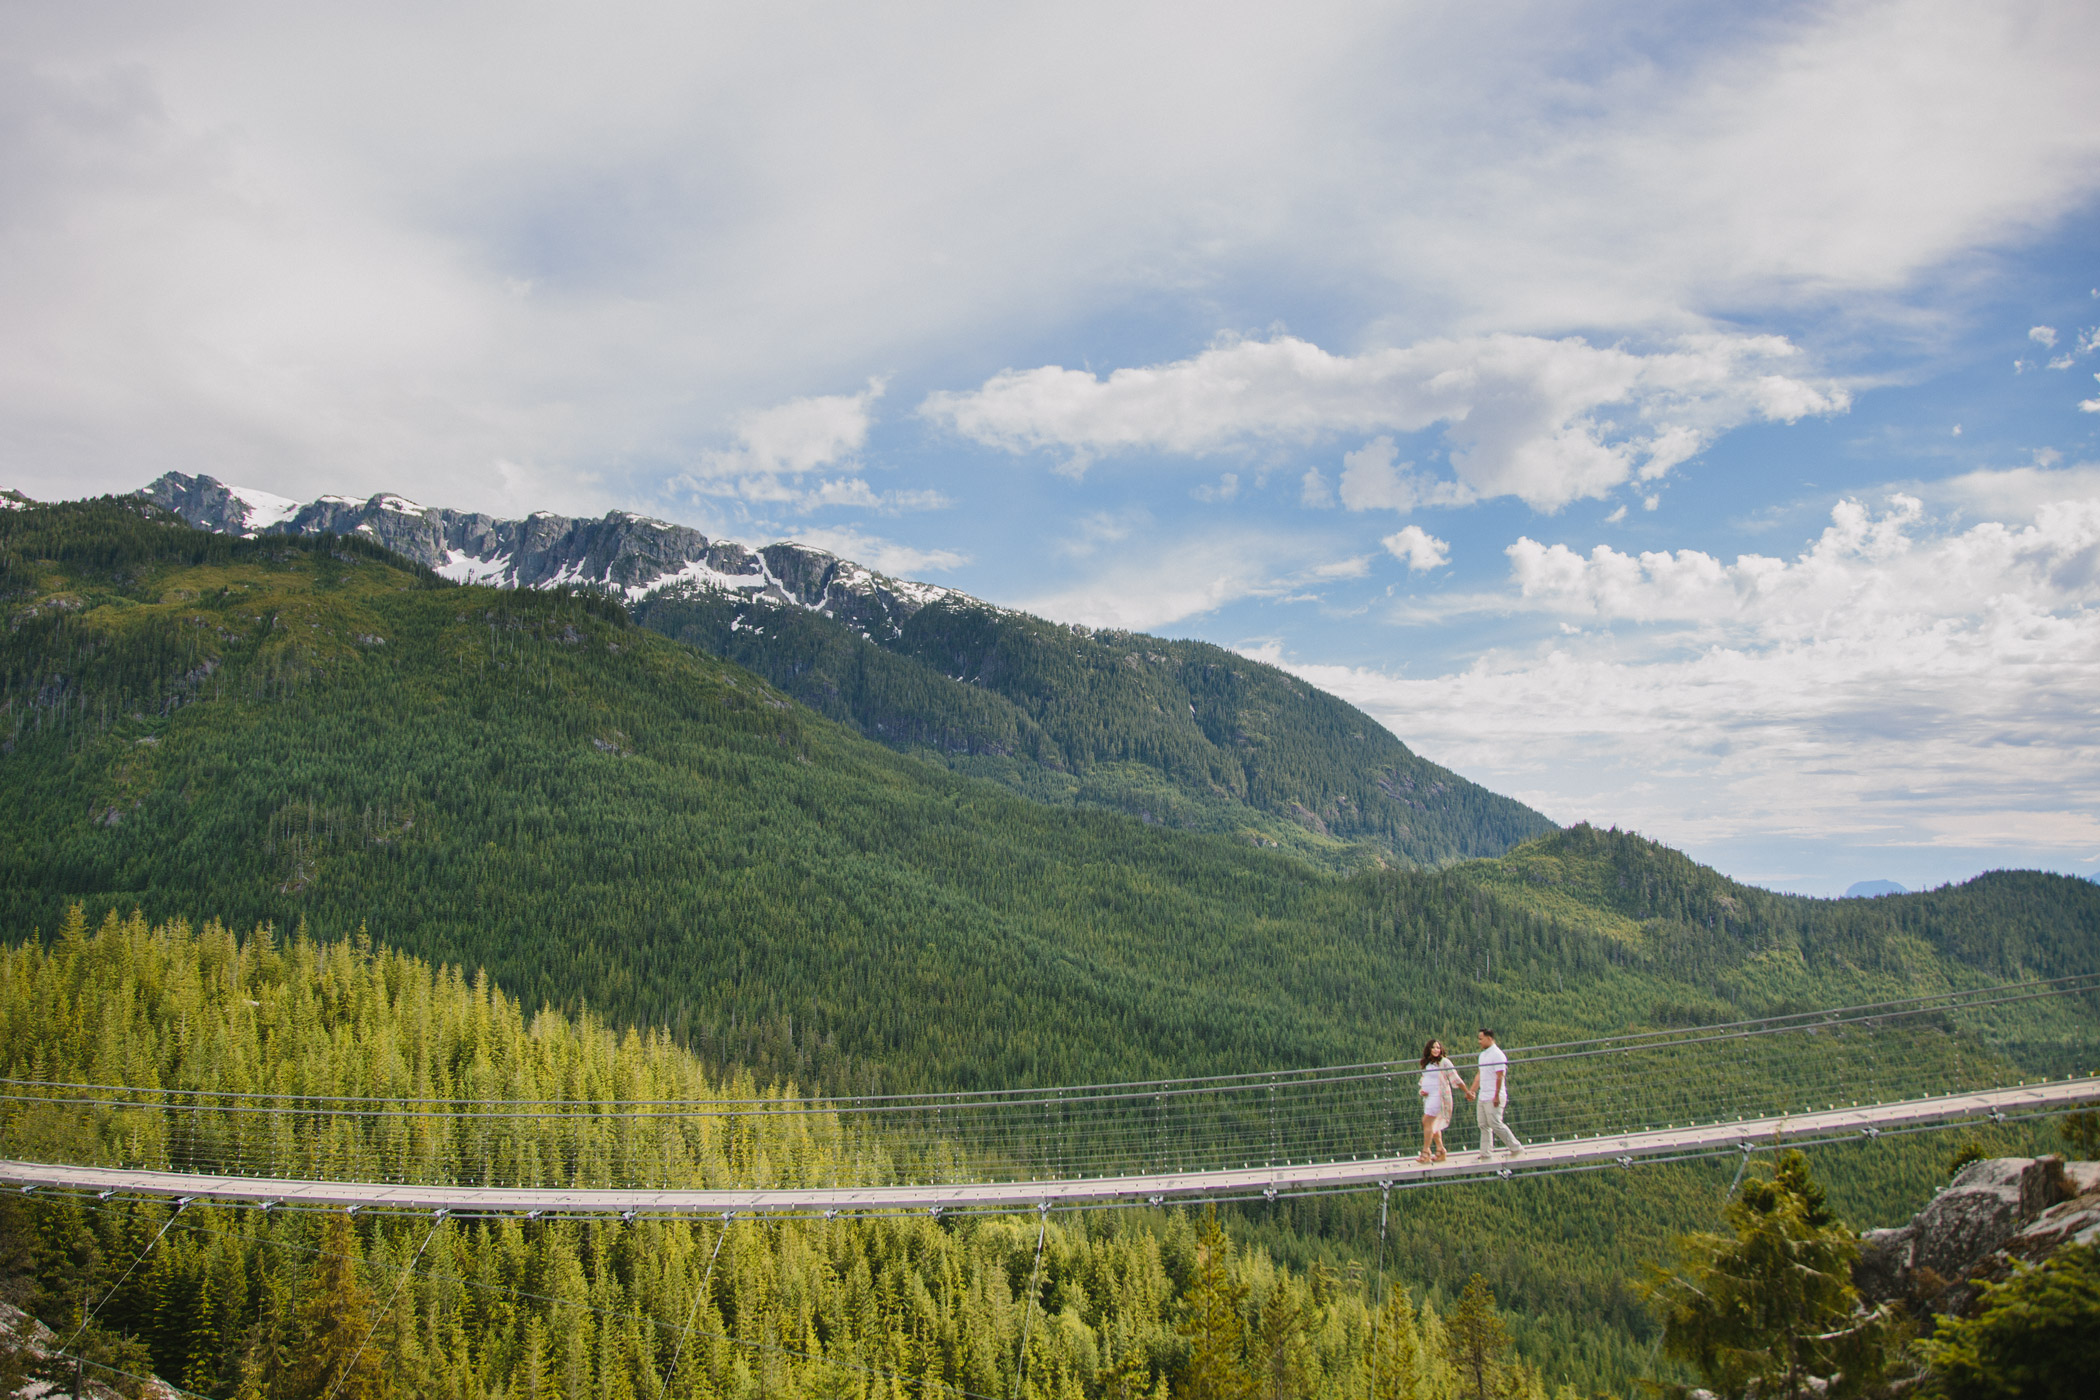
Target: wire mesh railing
{"points": [[1868, 1053]]}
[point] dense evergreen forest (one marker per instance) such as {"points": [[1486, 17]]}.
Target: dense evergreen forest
{"points": [[1178, 732], [287, 1304], [282, 729], [612, 824]]}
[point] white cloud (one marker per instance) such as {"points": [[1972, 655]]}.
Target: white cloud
{"points": [[777, 448], [1356, 566], [1149, 584], [1100, 528], [1421, 550], [323, 249], [2044, 336], [1313, 491], [795, 437], [885, 556], [1897, 683], [1524, 416], [2016, 493], [1227, 488]]}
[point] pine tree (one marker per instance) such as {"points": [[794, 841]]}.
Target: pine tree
{"points": [[1476, 1340], [335, 1319], [1774, 1305], [1396, 1357], [1213, 1323], [1281, 1342], [2036, 1336]]}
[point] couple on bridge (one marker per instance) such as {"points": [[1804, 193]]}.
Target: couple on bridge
{"points": [[1489, 1091]]}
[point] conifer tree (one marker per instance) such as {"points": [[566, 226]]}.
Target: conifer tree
{"points": [[335, 1320], [2036, 1336], [1397, 1349], [1213, 1323], [1774, 1305], [1477, 1340], [1281, 1343]]}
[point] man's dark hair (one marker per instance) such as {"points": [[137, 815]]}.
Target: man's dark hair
{"points": [[1488, 1033]]}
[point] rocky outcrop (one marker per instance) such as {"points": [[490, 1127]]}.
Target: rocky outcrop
{"points": [[38, 1352], [1994, 1215], [620, 552]]}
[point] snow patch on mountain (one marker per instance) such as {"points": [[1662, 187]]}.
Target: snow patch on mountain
{"points": [[623, 553], [264, 509], [462, 567]]}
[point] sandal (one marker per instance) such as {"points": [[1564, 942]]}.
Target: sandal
{"points": [[1439, 1157], [1424, 1158]]}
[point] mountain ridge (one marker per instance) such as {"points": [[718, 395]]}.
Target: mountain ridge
{"points": [[1175, 732]]}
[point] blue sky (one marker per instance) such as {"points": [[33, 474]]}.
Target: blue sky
{"points": [[1668, 414]]}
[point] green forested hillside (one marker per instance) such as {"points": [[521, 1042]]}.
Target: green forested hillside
{"points": [[281, 730], [2008, 923], [309, 732], [235, 1302], [1177, 732]]}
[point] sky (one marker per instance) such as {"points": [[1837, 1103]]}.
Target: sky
{"points": [[1680, 417]]}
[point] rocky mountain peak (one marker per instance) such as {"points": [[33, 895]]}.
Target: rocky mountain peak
{"points": [[620, 552]]}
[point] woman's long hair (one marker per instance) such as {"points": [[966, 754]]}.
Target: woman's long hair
{"points": [[1429, 1057]]}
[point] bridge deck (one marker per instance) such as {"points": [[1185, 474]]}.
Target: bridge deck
{"points": [[995, 1195]]}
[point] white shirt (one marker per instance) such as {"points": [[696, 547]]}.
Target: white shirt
{"points": [[1433, 1091], [1493, 1063]]}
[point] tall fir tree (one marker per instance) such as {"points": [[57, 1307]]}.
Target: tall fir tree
{"points": [[1477, 1342], [1214, 1322], [337, 1318], [1772, 1305]]}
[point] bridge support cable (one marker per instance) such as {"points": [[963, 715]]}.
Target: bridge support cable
{"points": [[1385, 1201], [663, 1387], [1035, 1283], [437, 1218], [1120, 1193], [181, 1205], [1344, 1116]]}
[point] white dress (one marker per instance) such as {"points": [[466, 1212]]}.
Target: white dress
{"points": [[1448, 1072], [1433, 1093]]}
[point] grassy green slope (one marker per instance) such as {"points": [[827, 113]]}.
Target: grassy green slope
{"points": [[1176, 732]]}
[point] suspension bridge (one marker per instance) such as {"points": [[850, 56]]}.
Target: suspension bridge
{"points": [[2001, 1053]]}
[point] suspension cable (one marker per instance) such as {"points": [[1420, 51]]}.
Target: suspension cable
{"points": [[1035, 1278], [437, 1218], [1782, 1023], [180, 1206], [663, 1387]]}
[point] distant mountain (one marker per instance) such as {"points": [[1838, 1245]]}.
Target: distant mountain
{"points": [[1178, 733], [1867, 889], [620, 553]]}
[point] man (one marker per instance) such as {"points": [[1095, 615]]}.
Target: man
{"points": [[1493, 1074]]}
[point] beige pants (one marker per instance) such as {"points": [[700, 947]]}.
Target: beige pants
{"points": [[1492, 1127]]}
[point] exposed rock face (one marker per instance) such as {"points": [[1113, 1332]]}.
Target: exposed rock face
{"points": [[1994, 1214], [627, 553]]}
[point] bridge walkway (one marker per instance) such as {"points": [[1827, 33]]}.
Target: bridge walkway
{"points": [[1281, 1180]]}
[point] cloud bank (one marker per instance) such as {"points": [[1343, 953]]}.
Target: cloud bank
{"points": [[1901, 682], [319, 250], [1548, 421]]}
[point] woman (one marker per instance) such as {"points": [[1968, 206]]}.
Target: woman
{"points": [[1440, 1083]]}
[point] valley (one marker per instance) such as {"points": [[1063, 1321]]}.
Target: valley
{"points": [[785, 843]]}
